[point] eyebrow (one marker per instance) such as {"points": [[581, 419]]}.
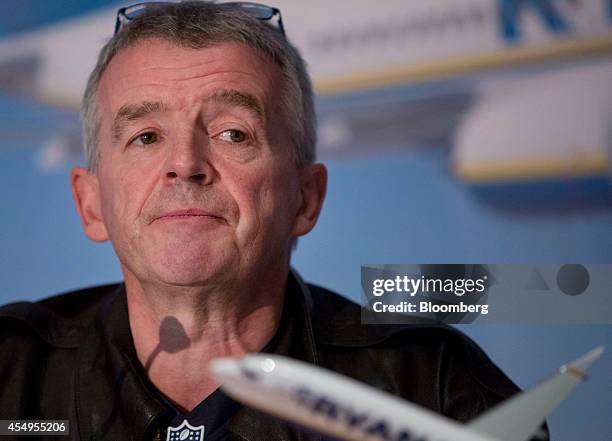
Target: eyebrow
{"points": [[236, 98], [132, 112]]}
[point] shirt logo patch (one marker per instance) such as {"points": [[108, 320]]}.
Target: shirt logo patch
{"points": [[185, 432]]}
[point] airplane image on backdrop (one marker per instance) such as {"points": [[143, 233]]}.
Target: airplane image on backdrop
{"points": [[519, 91], [336, 406]]}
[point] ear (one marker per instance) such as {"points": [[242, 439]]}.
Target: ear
{"points": [[86, 194], [313, 183]]}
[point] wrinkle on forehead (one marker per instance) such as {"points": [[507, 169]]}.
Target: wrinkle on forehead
{"points": [[159, 63], [185, 63]]}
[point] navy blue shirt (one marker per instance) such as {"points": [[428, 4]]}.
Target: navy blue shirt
{"points": [[216, 410], [213, 413]]}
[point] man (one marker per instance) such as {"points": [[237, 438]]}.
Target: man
{"points": [[200, 137]]}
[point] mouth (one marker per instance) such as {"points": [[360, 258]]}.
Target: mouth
{"points": [[189, 214]]}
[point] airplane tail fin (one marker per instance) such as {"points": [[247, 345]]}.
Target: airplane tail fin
{"points": [[520, 417]]}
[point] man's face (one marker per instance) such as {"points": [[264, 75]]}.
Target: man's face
{"points": [[196, 181]]}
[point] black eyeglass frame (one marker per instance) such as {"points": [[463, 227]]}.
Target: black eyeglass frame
{"points": [[123, 17]]}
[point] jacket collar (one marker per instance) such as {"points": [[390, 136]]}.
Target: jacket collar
{"points": [[112, 399], [295, 338], [115, 401]]}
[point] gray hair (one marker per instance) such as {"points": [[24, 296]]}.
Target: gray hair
{"points": [[200, 24]]}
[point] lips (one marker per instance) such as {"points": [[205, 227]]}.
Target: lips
{"points": [[188, 213]]}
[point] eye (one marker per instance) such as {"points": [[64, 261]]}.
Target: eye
{"points": [[145, 138], [233, 135]]}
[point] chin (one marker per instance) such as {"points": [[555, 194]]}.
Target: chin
{"points": [[186, 278], [191, 270]]}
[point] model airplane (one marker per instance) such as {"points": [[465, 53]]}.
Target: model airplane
{"points": [[343, 408]]}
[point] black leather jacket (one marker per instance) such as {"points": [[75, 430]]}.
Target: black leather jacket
{"points": [[72, 357]]}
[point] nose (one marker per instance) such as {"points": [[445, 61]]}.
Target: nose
{"points": [[188, 162]]}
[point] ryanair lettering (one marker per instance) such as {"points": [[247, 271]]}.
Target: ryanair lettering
{"points": [[364, 422], [550, 14]]}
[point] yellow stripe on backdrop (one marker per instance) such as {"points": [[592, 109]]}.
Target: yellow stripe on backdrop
{"points": [[446, 68], [596, 164]]}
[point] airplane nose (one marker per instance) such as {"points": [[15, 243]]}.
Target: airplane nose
{"points": [[225, 369], [253, 368], [267, 365]]}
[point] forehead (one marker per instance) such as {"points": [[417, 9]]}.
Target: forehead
{"points": [[156, 68]]}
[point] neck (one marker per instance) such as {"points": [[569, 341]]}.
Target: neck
{"points": [[177, 331]]}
